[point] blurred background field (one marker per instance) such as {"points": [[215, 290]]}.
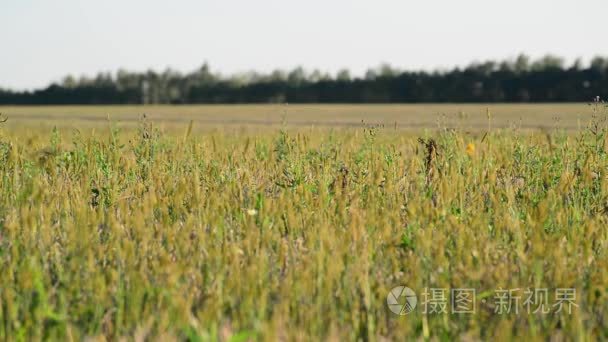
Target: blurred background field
{"points": [[402, 116]]}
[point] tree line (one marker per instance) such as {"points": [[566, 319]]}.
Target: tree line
{"points": [[547, 79]]}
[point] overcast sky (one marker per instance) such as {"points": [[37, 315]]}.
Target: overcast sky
{"points": [[41, 40]]}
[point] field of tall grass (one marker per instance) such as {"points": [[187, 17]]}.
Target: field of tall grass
{"points": [[301, 233]]}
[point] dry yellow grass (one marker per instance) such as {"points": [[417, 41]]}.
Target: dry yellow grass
{"points": [[164, 231], [465, 116]]}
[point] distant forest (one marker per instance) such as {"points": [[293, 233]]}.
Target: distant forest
{"points": [[518, 80]]}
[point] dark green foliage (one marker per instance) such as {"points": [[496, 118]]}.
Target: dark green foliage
{"points": [[544, 80]]}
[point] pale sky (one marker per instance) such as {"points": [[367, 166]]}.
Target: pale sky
{"points": [[42, 40]]}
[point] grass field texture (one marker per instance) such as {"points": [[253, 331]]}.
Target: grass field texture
{"points": [[141, 228], [412, 117]]}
